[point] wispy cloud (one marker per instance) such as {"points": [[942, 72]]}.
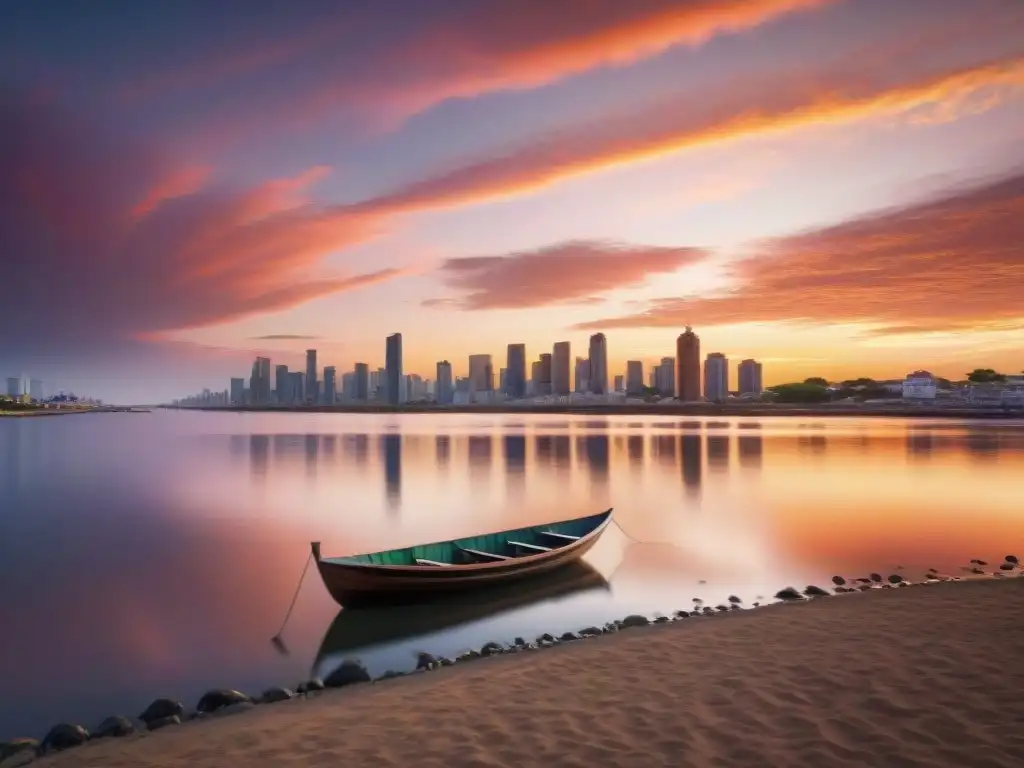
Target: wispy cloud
{"points": [[574, 272], [950, 263], [284, 337]]}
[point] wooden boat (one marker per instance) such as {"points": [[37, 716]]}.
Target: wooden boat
{"points": [[364, 628], [429, 570]]}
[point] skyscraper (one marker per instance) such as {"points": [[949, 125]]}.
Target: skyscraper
{"points": [[716, 378], [35, 389], [330, 385], [259, 381], [619, 383], [688, 366], [296, 389], [544, 375], [582, 375], [281, 383], [361, 385], [750, 378], [311, 376], [445, 390], [238, 391], [598, 364], [515, 374], [535, 378], [393, 369], [481, 373], [634, 377], [560, 374], [665, 377]]}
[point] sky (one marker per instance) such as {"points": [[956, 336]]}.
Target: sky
{"points": [[833, 187]]}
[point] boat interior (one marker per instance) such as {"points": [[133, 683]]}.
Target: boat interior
{"points": [[488, 548]]}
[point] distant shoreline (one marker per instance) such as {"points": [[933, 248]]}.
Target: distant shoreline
{"points": [[699, 409], [30, 412]]}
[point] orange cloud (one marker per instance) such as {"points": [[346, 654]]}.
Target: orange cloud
{"points": [[572, 271], [954, 262], [785, 104], [101, 266], [180, 182]]}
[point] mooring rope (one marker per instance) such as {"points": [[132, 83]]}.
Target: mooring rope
{"points": [[276, 639]]}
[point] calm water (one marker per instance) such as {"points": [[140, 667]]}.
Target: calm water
{"points": [[156, 554]]}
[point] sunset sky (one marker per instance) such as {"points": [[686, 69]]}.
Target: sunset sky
{"points": [[835, 187]]}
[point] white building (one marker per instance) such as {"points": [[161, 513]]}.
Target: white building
{"points": [[920, 386]]}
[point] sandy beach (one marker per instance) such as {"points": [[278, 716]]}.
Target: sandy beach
{"points": [[923, 676]]}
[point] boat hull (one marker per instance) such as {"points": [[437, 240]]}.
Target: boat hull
{"points": [[355, 585]]}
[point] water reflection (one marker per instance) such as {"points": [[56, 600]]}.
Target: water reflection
{"points": [[361, 629], [391, 447], [163, 523]]}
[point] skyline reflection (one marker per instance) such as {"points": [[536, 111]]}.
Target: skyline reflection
{"points": [[225, 501]]}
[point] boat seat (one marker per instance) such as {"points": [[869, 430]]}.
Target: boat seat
{"points": [[562, 536], [481, 553], [421, 561], [534, 547]]}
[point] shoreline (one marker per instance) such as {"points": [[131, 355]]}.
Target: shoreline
{"points": [[753, 411], [788, 652]]}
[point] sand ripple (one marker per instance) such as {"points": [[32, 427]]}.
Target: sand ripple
{"points": [[929, 676]]}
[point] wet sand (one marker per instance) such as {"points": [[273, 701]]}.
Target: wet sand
{"points": [[922, 676]]}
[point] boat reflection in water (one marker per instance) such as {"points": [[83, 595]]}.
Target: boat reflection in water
{"points": [[388, 637]]}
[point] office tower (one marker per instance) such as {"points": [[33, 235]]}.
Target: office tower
{"points": [[35, 389], [259, 381], [281, 383], [361, 385], [535, 378], [598, 364], [634, 377], [296, 387], [311, 376], [14, 386], [515, 376], [393, 369], [416, 389], [445, 390], [582, 375], [330, 385], [716, 378], [560, 378], [481, 373], [348, 386], [619, 383], [238, 391], [688, 366], [750, 378], [543, 385], [502, 379], [665, 377]]}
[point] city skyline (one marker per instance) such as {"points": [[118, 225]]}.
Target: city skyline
{"points": [[832, 187]]}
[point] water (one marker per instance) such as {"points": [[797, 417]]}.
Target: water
{"points": [[155, 554]]}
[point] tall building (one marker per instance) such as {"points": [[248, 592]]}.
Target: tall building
{"points": [[665, 377], [634, 377], [750, 378], [417, 388], [16, 386], [281, 384], [238, 391], [35, 389], [515, 375], [393, 369], [361, 386], [688, 366], [502, 379], [599, 364], [481, 373], [543, 386], [620, 383], [311, 376], [535, 378], [348, 386], [561, 382], [330, 385], [582, 375], [296, 389], [716, 378], [259, 381], [445, 390]]}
